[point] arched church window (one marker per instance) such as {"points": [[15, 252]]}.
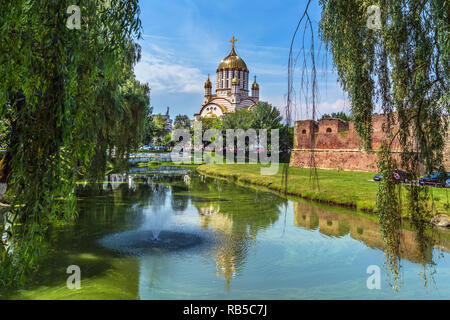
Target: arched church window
{"points": [[329, 130], [303, 131]]}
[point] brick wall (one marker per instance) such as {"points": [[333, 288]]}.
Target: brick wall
{"points": [[334, 144]]}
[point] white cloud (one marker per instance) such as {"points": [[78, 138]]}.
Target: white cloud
{"points": [[336, 106], [304, 112], [166, 76]]}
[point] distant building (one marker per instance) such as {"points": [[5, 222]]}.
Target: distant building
{"points": [[167, 117]]}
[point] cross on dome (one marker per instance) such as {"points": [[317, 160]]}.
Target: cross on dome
{"points": [[233, 40]]}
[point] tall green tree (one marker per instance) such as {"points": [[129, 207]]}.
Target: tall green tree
{"points": [[51, 80], [265, 116], [149, 128], [161, 126], [241, 119], [337, 115], [182, 122], [207, 124], [120, 119]]}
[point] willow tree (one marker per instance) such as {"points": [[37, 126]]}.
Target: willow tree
{"points": [[50, 79], [402, 65], [119, 118]]}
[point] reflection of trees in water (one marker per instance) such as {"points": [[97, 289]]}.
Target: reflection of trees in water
{"points": [[99, 212], [156, 185], [160, 184], [415, 246], [425, 240], [111, 207], [236, 214], [179, 202], [158, 196], [102, 208], [118, 195]]}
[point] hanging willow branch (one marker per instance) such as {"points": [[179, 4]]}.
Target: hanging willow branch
{"points": [[308, 79]]}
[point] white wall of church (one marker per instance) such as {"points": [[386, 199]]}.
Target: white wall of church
{"points": [[245, 103], [224, 78], [211, 110]]}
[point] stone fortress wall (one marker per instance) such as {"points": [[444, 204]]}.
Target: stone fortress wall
{"points": [[334, 144]]}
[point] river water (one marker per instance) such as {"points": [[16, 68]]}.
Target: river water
{"points": [[252, 244]]}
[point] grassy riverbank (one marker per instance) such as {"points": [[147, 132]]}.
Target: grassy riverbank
{"points": [[344, 188]]}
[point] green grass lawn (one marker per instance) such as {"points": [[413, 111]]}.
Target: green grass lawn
{"points": [[346, 188]]}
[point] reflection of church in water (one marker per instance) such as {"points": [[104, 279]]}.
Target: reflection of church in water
{"points": [[231, 88], [232, 246]]}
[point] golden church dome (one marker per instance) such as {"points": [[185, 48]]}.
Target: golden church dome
{"points": [[208, 83], [255, 85], [232, 62], [235, 81]]}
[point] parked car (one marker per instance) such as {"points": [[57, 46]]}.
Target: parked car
{"points": [[437, 179], [399, 176], [256, 148]]}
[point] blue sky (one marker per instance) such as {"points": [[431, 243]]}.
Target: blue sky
{"points": [[184, 40]]}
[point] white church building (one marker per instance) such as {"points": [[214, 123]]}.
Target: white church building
{"points": [[231, 88]]}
